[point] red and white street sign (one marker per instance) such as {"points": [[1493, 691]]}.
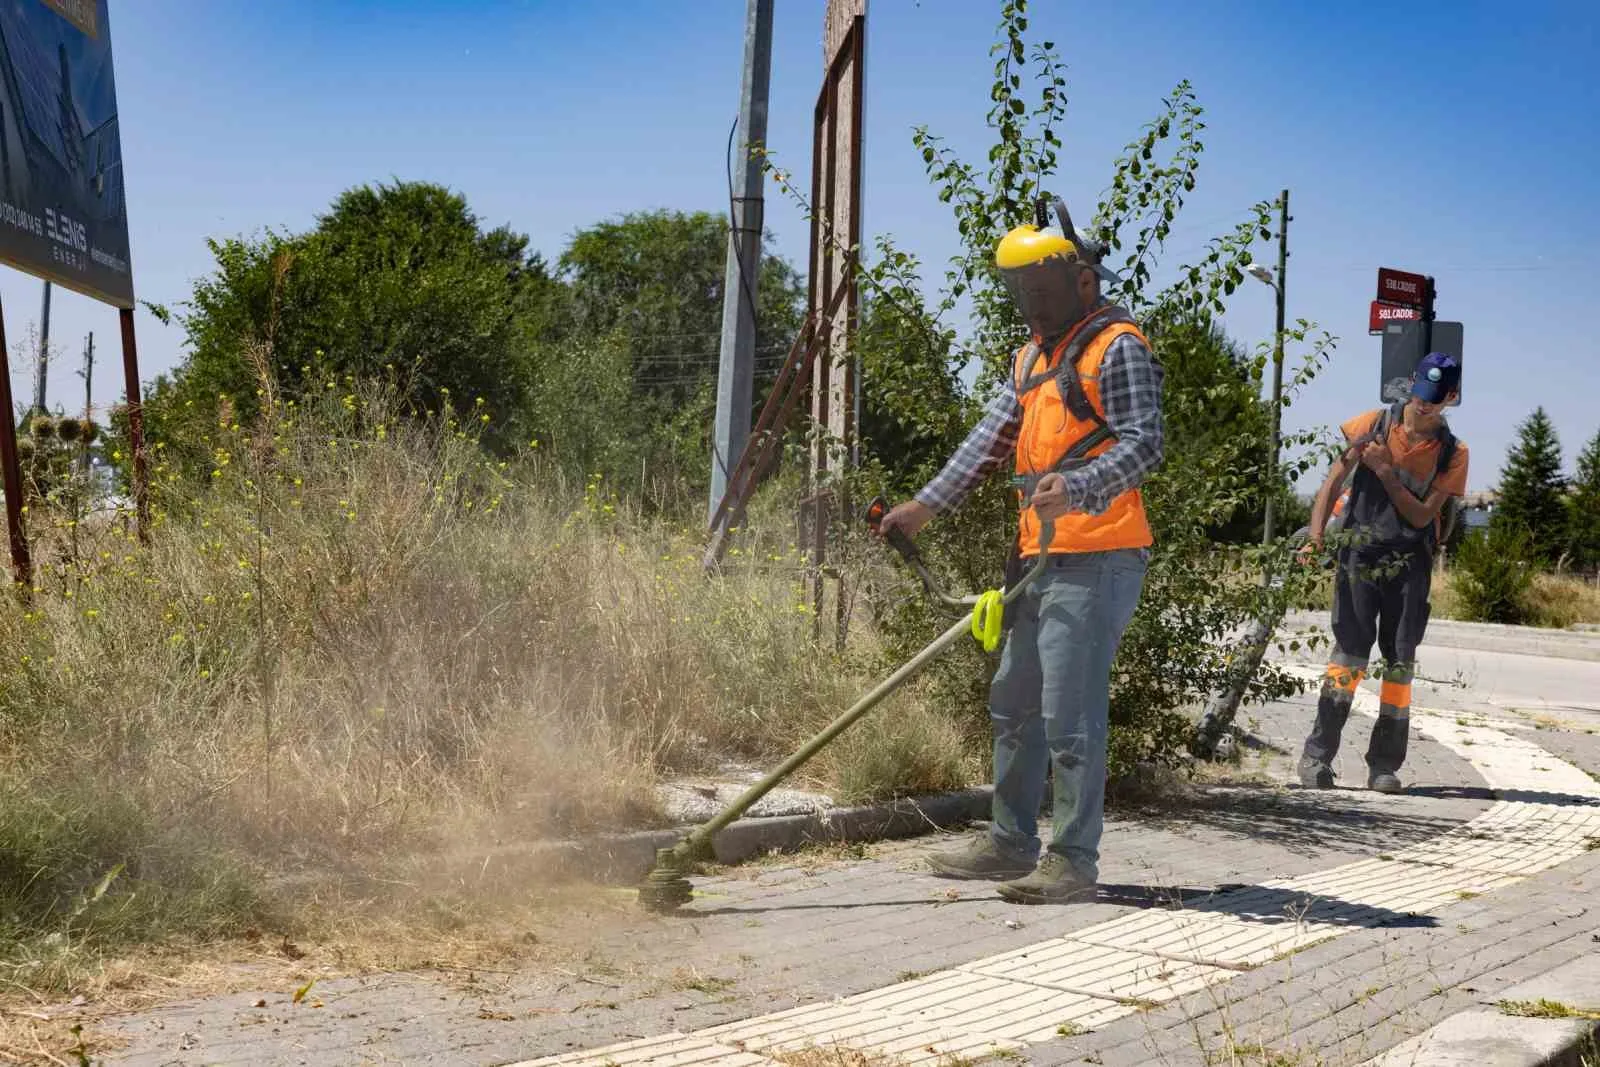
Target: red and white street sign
{"points": [[1386, 313], [1402, 287]]}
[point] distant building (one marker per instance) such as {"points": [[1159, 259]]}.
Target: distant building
{"points": [[1476, 509]]}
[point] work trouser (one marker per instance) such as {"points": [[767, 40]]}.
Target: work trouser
{"points": [[1050, 702], [1380, 594]]}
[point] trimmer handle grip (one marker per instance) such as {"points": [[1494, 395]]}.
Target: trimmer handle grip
{"points": [[896, 537]]}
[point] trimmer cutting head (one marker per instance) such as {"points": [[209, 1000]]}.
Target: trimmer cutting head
{"points": [[666, 888]]}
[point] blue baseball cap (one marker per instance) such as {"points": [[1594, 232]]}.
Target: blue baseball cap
{"points": [[1437, 376]]}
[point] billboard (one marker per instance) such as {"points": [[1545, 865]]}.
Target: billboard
{"points": [[63, 215]]}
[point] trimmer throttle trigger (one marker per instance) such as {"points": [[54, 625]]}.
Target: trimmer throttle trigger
{"points": [[896, 537]]}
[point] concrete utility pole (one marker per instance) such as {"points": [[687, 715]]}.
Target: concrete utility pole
{"points": [[44, 350], [736, 372]]}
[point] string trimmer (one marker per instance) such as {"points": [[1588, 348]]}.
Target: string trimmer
{"points": [[667, 885]]}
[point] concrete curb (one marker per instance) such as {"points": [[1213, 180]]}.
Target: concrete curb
{"points": [[1489, 1037], [1487, 637], [625, 858]]}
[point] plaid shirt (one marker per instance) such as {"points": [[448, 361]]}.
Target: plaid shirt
{"points": [[1130, 391]]}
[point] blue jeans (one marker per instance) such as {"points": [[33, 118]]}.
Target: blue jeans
{"points": [[1051, 698]]}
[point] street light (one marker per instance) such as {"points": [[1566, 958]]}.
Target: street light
{"points": [[1220, 711]]}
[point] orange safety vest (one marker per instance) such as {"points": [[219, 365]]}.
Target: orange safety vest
{"points": [[1050, 431]]}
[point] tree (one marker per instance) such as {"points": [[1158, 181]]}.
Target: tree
{"points": [[1493, 574], [644, 306], [395, 281], [1232, 420], [653, 281], [1531, 488], [914, 411], [1583, 509]]}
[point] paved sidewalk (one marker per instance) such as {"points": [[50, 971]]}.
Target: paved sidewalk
{"points": [[806, 933]]}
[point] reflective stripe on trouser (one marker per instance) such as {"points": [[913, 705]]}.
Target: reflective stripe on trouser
{"points": [[1386, 751], [1050, 703], [1339, 686]]}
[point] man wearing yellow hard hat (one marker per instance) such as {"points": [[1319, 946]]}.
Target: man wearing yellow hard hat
{"points": [[1080, 416]]}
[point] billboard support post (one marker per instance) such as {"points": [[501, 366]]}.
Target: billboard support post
{"points": [[130, 370], [63, 203], [21, 564]]}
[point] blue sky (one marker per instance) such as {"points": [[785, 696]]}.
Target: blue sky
{"points": [[1455, 139]]}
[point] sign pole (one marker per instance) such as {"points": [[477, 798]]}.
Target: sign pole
{"points": [[21, 564], [130, 371], [1428, 295]]}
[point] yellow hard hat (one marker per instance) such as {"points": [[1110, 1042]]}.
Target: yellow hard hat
{"points": [[1028, 245]]}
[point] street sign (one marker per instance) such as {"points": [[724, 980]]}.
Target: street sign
{"points": [[1382, 314], [1402, 351], [1402, 287]]}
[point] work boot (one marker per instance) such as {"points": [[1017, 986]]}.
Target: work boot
{"points": [[1052, 882], [979, 858], [1383, 782], [1314, 774]]}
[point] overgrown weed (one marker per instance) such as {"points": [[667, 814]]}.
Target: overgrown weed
{"points": [[357, 639]]}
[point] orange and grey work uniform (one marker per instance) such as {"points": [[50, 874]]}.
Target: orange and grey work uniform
{"points": [[1382, 586]]}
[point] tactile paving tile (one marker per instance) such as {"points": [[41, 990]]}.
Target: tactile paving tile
{"points": [[997, 1006], [1507, 762], [1393, 886], [1550, 812], [1523, 858], [902, 1038], [668, 1050], [1214, 938], [1079, 967]]}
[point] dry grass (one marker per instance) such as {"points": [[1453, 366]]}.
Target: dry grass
{"points": [[1563, 600], [1557, 601], [358, 645], [459, 935]]}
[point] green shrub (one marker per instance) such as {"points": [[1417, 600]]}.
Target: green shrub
{"points": [[1198, 597], [1493, 575]]}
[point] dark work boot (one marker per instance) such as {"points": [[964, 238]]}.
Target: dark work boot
{"points": [[1054, 881], [1315, 774], [980, 858]]}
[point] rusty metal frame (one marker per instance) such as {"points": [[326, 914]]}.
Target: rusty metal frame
{"points": [[832, 273], [766, 437], [814, 358]]}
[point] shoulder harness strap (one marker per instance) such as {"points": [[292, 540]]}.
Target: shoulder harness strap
{"points": [[1073, 395]]}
